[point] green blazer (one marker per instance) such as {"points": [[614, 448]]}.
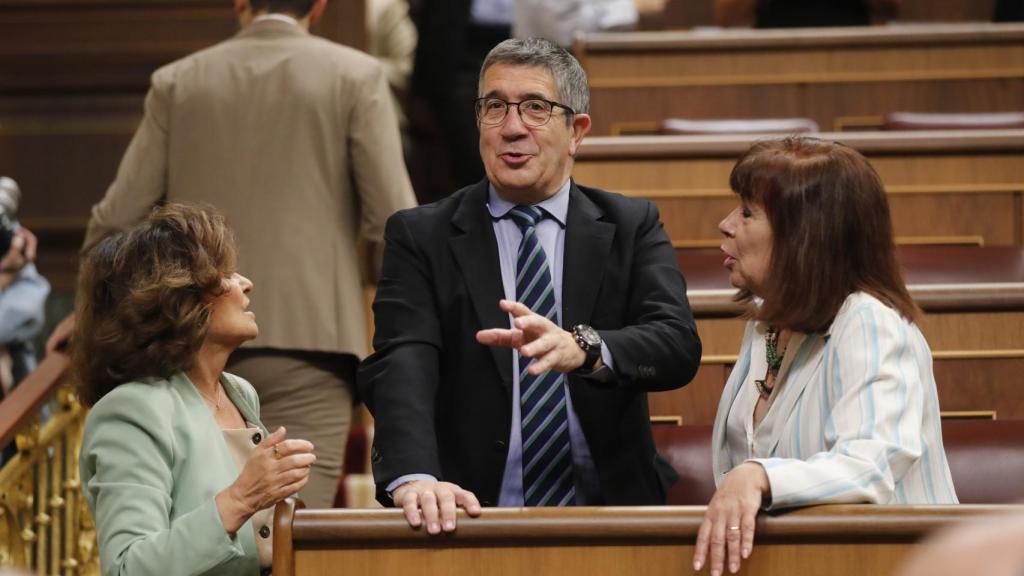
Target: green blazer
{"points": [[153, 458]]}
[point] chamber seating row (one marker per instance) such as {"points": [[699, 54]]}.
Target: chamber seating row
{"points": [[986, 459], [841, 79]]}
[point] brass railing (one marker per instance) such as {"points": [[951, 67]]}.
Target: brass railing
{"points": [[45, 526]]}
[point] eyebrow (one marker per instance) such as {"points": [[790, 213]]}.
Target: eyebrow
{"points": [[527, 96]]}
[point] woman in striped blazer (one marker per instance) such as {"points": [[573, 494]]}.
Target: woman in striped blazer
{"points": [[832, 398]]}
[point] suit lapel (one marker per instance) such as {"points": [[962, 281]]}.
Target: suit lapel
{"points": [[588, 242], [476, 252]]}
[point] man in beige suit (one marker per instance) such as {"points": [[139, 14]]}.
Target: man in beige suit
{"points": [[294, 139]]}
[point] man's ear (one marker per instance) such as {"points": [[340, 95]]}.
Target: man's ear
{"points": [[580, 128], [317, 11]]}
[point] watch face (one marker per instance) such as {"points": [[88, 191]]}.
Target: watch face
{"points": [[589, 336]]}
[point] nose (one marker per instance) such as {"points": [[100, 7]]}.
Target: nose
{"points": [[727, 226], [244, 282], [513, 126]]}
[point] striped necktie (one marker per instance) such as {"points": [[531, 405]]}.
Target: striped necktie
{"points": [[547, 455]]}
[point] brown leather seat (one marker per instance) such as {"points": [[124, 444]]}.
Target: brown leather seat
{"points": [[683, 126], [688, 450], [959, 121], [986, 460]]}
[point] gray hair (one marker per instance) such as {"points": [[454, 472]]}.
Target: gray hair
{"points": [[570, 79]]}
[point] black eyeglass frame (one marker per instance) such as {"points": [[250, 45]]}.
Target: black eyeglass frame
{"points": [[478, 105]]}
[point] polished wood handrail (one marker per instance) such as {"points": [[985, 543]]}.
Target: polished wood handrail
{"points": [[24, 402], [359, 528], [874, 143]]}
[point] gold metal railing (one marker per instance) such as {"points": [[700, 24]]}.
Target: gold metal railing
{"points": [[45, 526]]}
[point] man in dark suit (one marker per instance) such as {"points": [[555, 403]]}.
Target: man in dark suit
{"points": [[521, 321]]}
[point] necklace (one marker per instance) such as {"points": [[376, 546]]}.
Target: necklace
{"points": [[774, 361], [215, 403]]}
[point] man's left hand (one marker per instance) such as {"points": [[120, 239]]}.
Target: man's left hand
{"points": [[534, 336]]}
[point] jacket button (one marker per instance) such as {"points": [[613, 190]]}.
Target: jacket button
{"points": [[257, 438], [265, 532], [499, 445]]}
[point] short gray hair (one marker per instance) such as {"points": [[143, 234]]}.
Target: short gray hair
{"points": [[570, 79]]}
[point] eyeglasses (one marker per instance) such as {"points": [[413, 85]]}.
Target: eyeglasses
{"points": [[534, 112]]}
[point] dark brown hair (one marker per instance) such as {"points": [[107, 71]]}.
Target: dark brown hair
{"points": [[143, 302], [832, 231]]}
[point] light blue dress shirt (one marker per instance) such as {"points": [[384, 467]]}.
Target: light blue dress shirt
{"points": [[551, 234]]}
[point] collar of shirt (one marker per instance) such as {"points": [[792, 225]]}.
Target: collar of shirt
{"points": [[557, 206], [275, 16]]}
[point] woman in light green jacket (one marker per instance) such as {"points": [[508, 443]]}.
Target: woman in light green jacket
{"points": [[179, 472]]}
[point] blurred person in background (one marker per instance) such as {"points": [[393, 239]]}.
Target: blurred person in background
{"points": [[23, 291]]}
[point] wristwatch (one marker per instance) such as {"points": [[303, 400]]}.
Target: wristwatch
{"points": [[590, 342]]}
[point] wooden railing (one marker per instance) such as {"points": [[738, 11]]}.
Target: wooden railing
{"points": [[836, 540], [45, 526]]}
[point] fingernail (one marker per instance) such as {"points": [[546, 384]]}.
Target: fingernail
{"points": [[716, 572], [734, 567], [449, 525], [697, 565], [746, 553], [434, 527]]}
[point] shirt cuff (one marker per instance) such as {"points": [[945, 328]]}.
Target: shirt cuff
{"points": [[406, 478]]}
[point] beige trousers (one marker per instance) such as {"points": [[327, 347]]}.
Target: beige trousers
{"points": [[310, 394]]}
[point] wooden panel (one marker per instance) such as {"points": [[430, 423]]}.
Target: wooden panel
{"points": [[824, 74], [944, 187], [837, 540]]}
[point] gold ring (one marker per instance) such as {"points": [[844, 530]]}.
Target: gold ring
{"points": [[276, 453], [734, 527]]}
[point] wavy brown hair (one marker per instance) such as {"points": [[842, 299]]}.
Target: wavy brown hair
{"points": [[143, 302], [832, 231]]}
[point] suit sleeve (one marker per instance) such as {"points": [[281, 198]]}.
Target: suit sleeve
{"points": [[141, 179], [127, 458], [875, 392], [659, 348], [399, 382], [378, 163]]}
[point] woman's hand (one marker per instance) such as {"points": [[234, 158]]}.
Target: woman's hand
{"points": [[275, 469], [728, 528]]}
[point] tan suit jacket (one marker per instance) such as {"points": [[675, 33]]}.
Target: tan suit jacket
{"points": [[293, 138]]}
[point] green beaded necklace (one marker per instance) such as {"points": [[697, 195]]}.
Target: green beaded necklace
{"points": [[774, 361]]}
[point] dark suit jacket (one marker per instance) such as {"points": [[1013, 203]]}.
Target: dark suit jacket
{"points": [[442, 402]]}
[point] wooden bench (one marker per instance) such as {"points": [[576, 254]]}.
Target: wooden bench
{"points": [[949, 187], [841, 78]]}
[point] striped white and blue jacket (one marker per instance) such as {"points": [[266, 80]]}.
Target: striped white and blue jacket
{"points": [[856, 419]]}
